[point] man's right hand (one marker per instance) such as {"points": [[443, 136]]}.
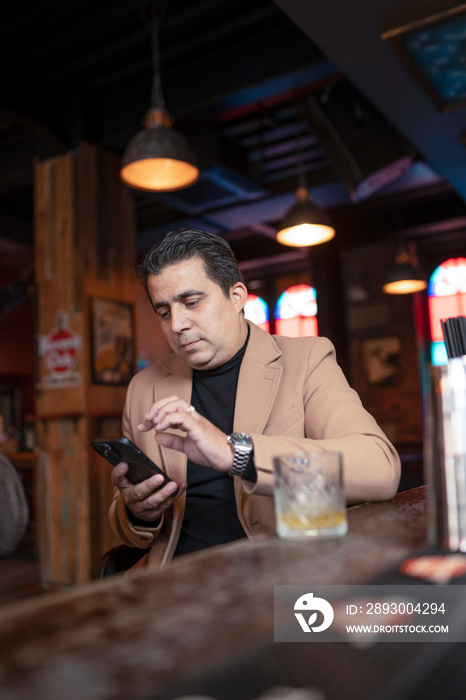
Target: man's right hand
{"points": [[146, 500]]}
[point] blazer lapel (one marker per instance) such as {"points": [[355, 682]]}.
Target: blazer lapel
{"points": [[258, 382], [178, 382]]}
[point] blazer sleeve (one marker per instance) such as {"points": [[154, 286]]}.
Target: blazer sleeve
{"points": [[127, 532], [333, 419]]}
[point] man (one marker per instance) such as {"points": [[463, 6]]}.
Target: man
{"points": [[229, 398]]}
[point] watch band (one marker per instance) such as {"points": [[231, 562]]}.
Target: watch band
{"points": [[242, 447]]}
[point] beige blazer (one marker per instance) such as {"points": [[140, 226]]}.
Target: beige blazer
{"points": [[292, 396]]}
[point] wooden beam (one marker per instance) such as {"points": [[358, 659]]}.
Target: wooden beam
{"points": [[84, 249]]}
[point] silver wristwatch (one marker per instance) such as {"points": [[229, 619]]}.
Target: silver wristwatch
{"points": [[242, 447]]}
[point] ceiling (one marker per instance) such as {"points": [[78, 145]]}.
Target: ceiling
{"points": [[241, 79]]}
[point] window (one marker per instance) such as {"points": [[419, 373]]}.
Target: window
{"points": [[447, 299], [257, 311], [295, 312]]}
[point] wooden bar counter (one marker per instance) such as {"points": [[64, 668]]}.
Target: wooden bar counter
{"points": [[205, 623]]}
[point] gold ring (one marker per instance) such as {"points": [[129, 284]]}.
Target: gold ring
{"points": [[191, 410]]}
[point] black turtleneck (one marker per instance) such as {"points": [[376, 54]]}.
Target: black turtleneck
{"points": [[210, 516]]}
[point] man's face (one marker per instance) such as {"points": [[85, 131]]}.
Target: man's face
{"points": [[200, 323]]}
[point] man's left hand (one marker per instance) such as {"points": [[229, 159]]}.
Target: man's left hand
{"points": [[203, 443]]}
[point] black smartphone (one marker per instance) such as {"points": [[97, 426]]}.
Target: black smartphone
{"points": [[120, 449]]}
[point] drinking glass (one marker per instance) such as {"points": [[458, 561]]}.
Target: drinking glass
{"points": [[309, 495]]}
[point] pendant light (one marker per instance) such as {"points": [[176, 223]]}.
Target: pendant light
{"points": [[158, 158], [305, 224], [404, 277]]}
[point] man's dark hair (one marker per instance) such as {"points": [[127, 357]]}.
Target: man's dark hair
{"points": [[218, 258]]}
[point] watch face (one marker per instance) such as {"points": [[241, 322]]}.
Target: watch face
{"points": [[242, 437]]}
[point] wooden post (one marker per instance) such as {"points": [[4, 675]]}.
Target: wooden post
{"points": [[84, 243]]}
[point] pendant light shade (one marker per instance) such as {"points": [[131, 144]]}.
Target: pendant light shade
{"points": [[158, 158], [305, 224], [404, 277]]}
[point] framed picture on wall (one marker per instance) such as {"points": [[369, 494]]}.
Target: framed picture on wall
{"points": [[112, 341], [382, 359]]}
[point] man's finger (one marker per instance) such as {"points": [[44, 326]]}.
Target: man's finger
{"points": [[118, 477], [174, 442], [145, 426]]}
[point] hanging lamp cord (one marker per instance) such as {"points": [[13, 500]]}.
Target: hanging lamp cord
{"points": [[152, 12], [302, 185]]}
